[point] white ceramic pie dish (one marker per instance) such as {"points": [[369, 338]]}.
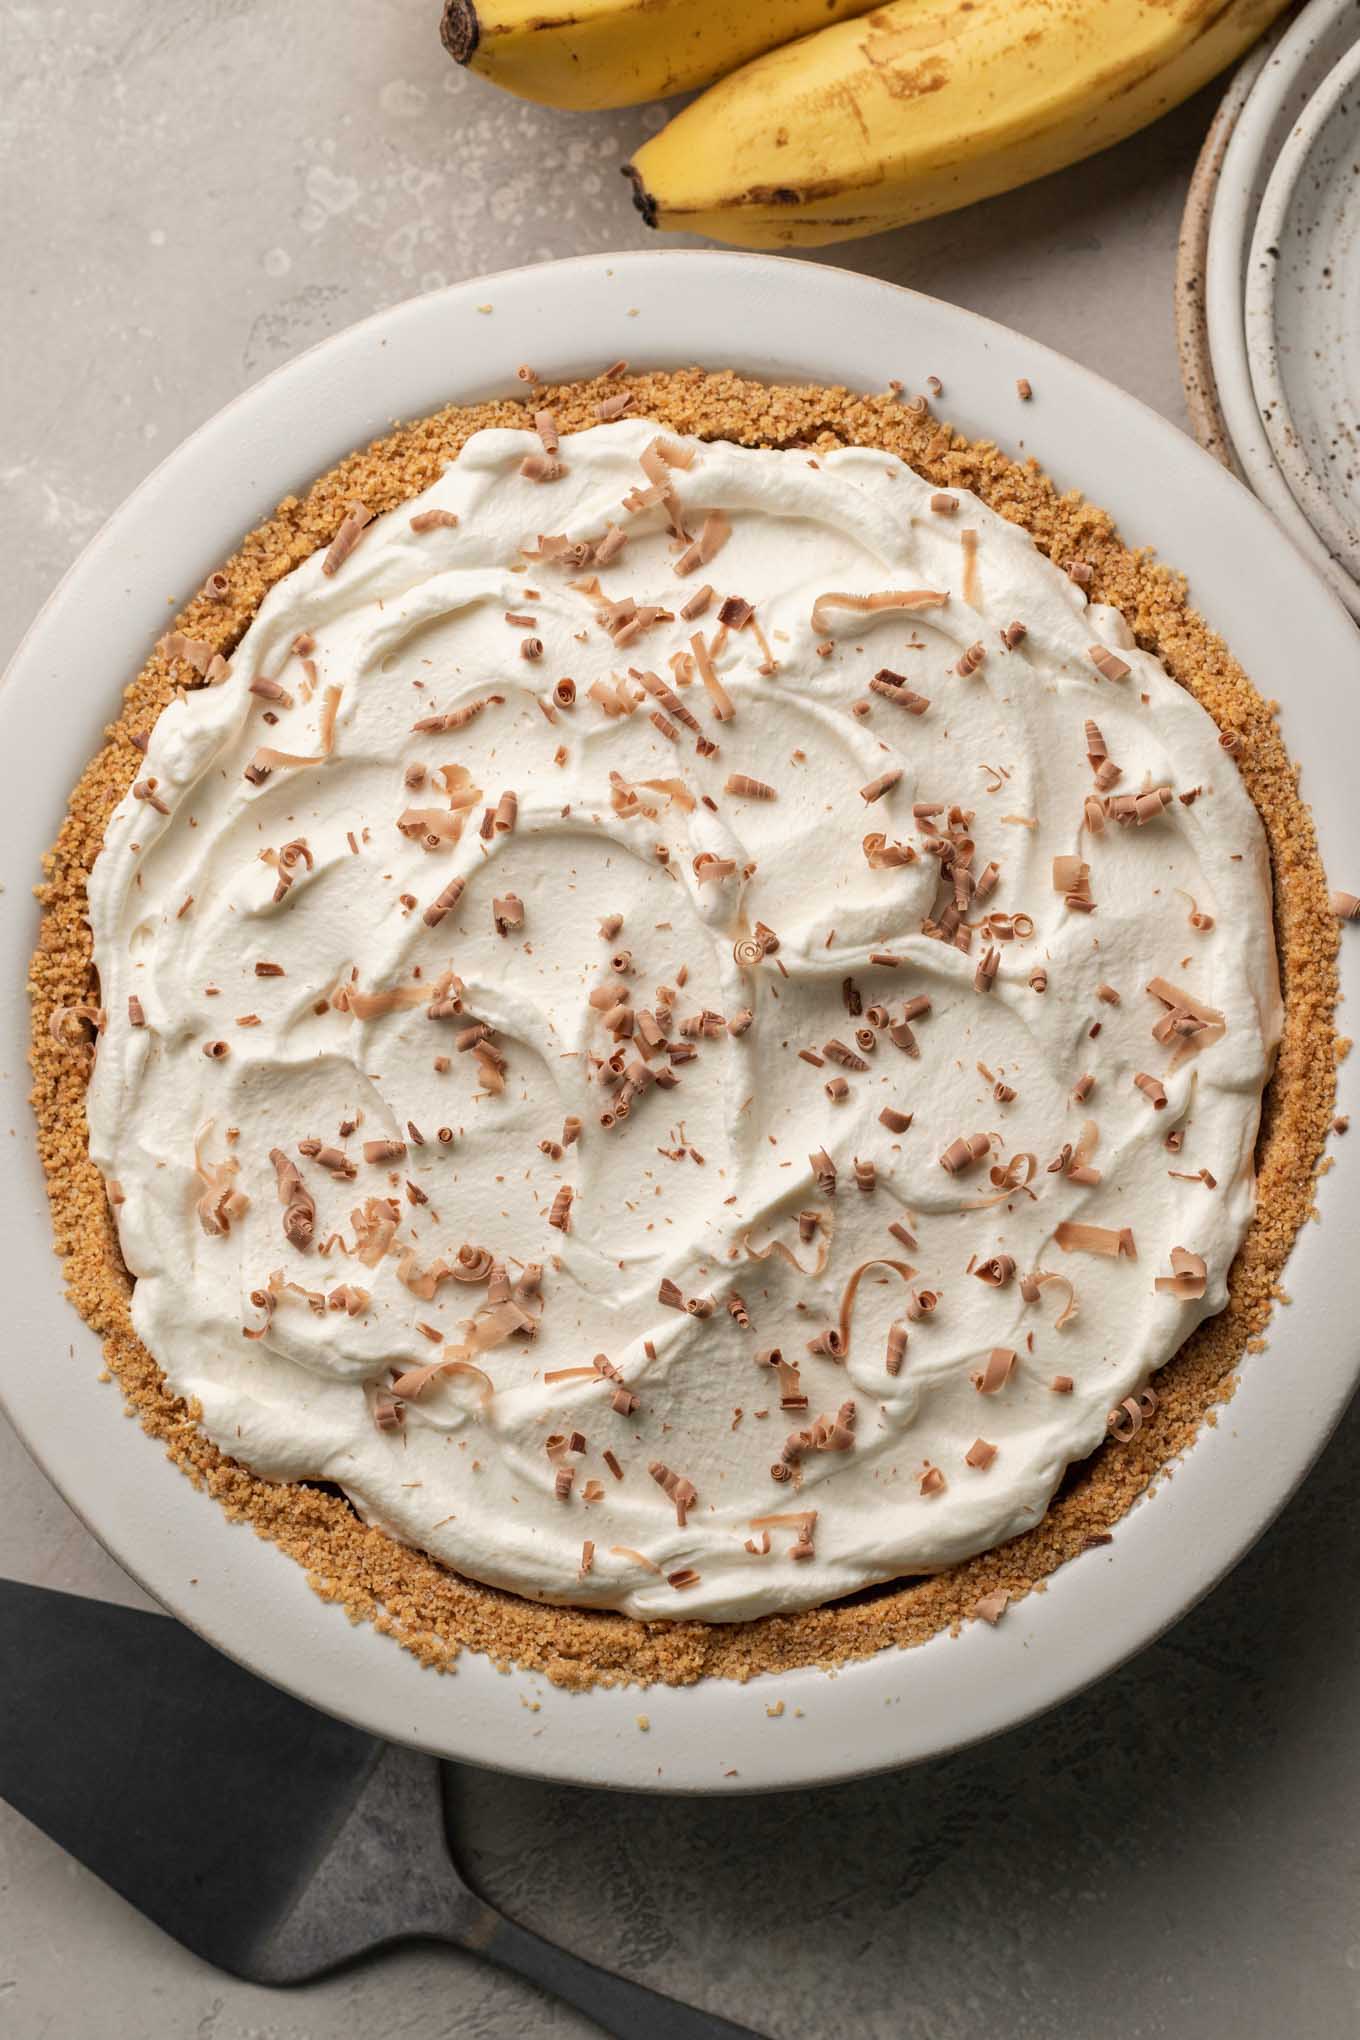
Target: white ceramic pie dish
{"points": [[780, 319]]}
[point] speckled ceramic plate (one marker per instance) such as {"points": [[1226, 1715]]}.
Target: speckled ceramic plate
{"points": [[1317, 39], [773, 318], [1302, 309], [1192, 249]]}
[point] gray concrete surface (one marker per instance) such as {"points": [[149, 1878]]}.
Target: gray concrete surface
{"points": [[193, 191]]}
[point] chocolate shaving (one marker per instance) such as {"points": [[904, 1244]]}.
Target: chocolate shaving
{"points": [[422, 1282], [332, 1159], [411, 1384], [145, 789], [360, 1005], [893, 686], [881, 855], [1074, 1237], [219, 1201], [270, 690], [472, 1264], [714, 533], [842, 1331], [638, 1558], [838, 1052], [346, 538], [1191, 1024], [1072, 878], [991, 1607], [195, 652], [992, 1378], [375, 1223], [1107, 663], [455, 718], [741, 786], [965, 1152], [349, 1299], [388, 1413], [1188, 1277], [723, 707], [384, 1150], [299, 1216], [681, 1491], [444, 902], [56, 1025], [1125, 1422], [896, 1348], [867, 605], [786, 1253], [266, 758], [885, 783]]}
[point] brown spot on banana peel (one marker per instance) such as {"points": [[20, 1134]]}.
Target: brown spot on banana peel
{"points": [[782, 195], [931, 76]]}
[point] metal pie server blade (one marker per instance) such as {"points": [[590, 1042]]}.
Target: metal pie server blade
{"points": [[273, 1841]]}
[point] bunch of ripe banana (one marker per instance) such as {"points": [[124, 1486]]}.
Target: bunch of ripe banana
{"points": [[831, 119]]}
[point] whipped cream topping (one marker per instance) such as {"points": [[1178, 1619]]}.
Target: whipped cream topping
{"points": [[830, 921]]}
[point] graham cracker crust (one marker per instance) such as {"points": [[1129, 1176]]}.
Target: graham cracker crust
{"points": [[431, 1611]]}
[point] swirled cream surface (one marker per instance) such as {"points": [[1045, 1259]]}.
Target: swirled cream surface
{"points": [[692, 1070]]}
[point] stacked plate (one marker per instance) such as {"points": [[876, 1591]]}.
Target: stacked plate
{"points": [[1268, 285]]}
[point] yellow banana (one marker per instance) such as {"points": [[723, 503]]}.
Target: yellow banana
{"points": [[924, 105], [593, 53]]}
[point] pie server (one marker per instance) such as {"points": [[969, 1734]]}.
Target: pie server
{"points": [[271, 1840]]}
